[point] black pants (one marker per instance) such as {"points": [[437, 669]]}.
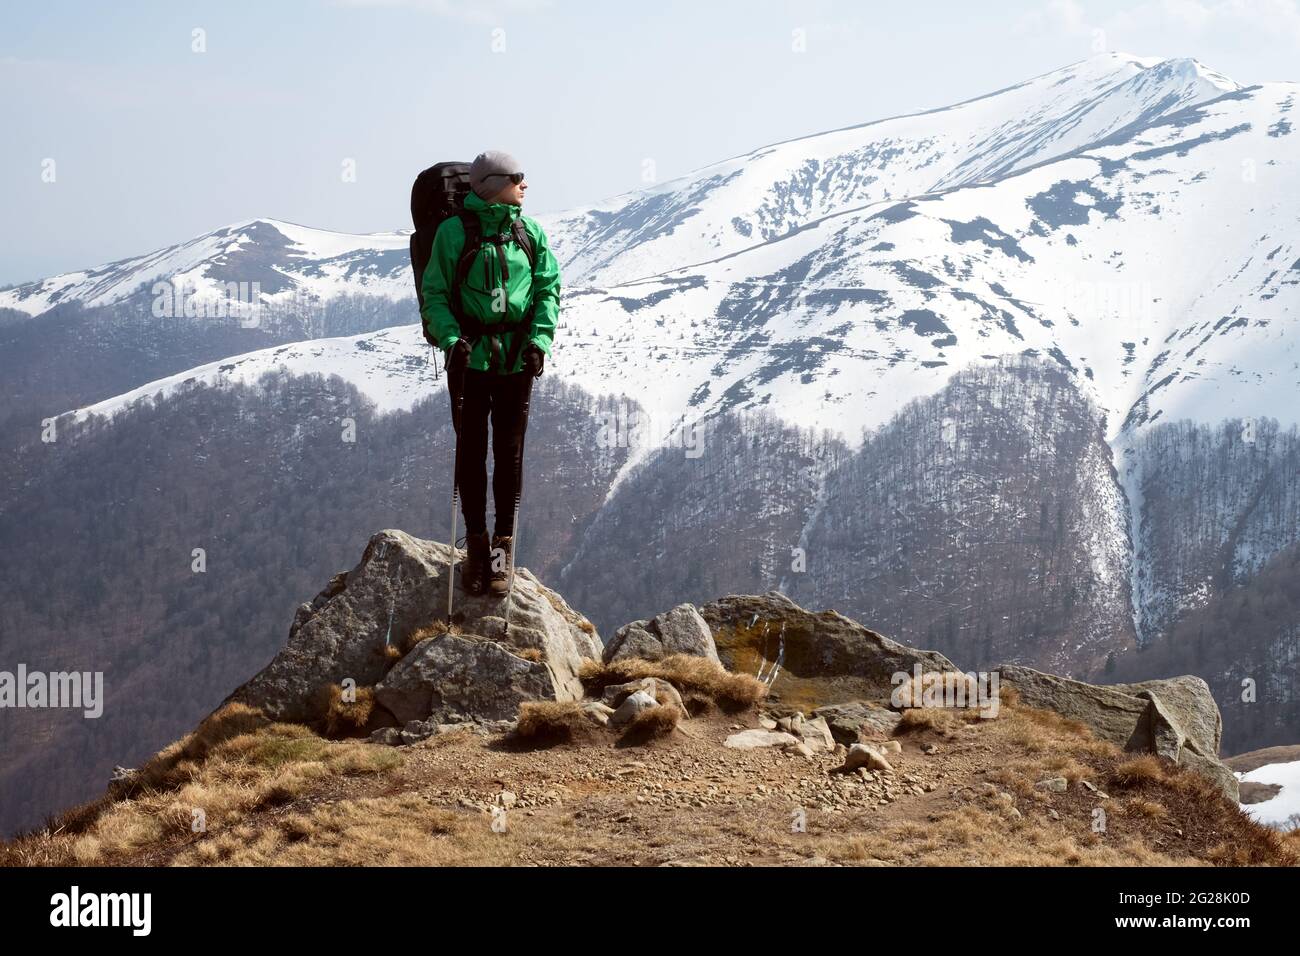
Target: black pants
{"points": [[503, 398]]}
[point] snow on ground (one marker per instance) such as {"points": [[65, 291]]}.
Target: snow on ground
{"points": [[392, 367], [1286, 803]]}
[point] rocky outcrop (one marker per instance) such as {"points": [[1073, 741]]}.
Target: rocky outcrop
{"points": [[1175, 718], [812, 658], [679, 631], [359, 625]]}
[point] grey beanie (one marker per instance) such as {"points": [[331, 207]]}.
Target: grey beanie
{"points": [[492, 163]]}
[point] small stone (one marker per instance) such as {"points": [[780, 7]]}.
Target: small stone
{"points": [[1085, 785], [757, 738], [860, 755], [632, 705]]}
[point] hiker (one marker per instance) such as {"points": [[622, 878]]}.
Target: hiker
{"points": [[513, 281]]}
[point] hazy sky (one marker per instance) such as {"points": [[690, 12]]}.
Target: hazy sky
{"points": [[153, 142]]}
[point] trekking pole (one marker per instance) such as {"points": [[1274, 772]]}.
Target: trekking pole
{"points": [[457, 401], [514, 527]]}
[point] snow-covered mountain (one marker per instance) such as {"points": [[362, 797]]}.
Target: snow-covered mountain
{"points": [[285, 260], [1128, 218], [776, 190]]}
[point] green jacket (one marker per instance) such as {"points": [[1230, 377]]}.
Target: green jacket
{"points": [[478, 295]]}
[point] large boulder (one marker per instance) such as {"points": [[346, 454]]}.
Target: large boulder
{"points": [[823, 656], [399, 588], [1175, 718], [453, 679], [679, 631]]}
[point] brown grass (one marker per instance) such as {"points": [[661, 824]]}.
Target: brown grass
{"points": [[234, 764], [947, 722], [652, 724], [545, 723], [343, 717], [694, 677], [399, 830], [1138, 771], [428, 632]]}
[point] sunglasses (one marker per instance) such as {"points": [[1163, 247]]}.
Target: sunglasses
{"points": [[515, 178]]}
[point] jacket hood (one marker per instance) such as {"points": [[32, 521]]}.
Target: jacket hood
{"points": [[495, 216]]}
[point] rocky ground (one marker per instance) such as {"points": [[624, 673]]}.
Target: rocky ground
{"points": [[1027, 788], [746, 732]]}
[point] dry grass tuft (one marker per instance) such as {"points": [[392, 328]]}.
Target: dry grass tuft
{"points": [[652, 724], [1138, 771], [1139, 807], [344, 717], [694, 676], [942, 721], [428, 632], [545, 723]]}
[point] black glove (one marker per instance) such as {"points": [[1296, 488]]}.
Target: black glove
{"points": [[458, 357], [534, 359]]}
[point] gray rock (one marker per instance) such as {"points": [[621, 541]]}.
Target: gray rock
{"points": [[632, 705], [679, 631], [816, 734], [852, 721], [1175, 718], [417, 730], [342, 633], [860, 755], [757, 738], [615, 694], [454, 679]]}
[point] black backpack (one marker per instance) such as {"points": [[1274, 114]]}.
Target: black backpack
{"points": [[438, 194]]}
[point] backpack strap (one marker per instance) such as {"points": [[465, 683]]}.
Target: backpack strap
{"points": [[473, 242]]}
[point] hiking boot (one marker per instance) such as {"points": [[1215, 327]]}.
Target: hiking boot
{"points": [[501, 557], [473, 573]]}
